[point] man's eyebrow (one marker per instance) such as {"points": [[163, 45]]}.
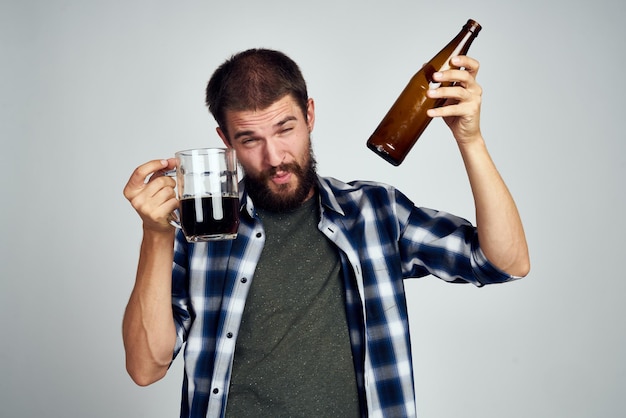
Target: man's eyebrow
{"points": [[243, 133], [285, 120]]}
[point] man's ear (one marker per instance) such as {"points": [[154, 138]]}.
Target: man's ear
{"points": [[310, 114], [223, 136]]}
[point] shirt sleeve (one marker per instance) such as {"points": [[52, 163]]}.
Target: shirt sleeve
{"points": [[444, 245], [180, 292]]}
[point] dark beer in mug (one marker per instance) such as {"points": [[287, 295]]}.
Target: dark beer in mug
{"points": [[209, 217]]}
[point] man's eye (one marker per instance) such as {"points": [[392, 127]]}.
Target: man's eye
{"points": [[248, 141]]}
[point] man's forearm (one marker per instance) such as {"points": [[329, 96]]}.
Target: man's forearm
{"points": [[148, 328], [500, 231]]}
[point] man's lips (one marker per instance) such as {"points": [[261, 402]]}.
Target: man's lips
{"points": [[281, 177]]}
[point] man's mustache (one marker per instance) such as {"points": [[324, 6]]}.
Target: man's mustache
{"points": [[286, 167]]}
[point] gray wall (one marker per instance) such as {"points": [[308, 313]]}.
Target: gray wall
{"points": [[91, 89]]}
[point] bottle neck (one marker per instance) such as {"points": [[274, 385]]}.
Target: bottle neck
{"points": [[472, 26]]}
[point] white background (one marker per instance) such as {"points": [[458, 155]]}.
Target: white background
{"points": [[91, 89]]}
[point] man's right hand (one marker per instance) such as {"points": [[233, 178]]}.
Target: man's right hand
{"points": [[152, 194]]}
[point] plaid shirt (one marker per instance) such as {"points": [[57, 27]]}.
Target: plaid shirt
{"points": [[382, 238]]}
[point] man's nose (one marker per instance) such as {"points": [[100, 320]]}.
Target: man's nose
{"points": [[274, 154]]}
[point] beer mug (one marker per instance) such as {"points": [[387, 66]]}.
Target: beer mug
{"points": [[207, 190]]}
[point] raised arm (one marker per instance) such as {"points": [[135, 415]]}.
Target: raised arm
{"points": [[148, 328], [500, 231]]}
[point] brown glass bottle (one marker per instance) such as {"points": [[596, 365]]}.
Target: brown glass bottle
{"points": [[406, 120]]}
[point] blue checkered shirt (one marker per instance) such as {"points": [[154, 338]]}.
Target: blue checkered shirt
{"points": [[382, 238]]}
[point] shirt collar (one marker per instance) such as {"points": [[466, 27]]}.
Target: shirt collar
{"points": [[327, 195]]}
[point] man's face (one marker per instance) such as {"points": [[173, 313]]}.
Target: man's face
{"points": [[274, 148]]}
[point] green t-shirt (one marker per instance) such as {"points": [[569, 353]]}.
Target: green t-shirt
{"points": [[293, 356]]}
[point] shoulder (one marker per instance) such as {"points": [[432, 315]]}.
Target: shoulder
{"points": [[361, 193], [363, 186]]}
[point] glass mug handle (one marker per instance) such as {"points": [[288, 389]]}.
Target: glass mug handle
{"points": [[173, 218]]}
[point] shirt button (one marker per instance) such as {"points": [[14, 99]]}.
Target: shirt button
{"points": [[229, 335], [244, 280], [216, 391], [259, 235]]}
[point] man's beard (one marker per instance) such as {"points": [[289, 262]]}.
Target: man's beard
{"points": [[281, 201]]}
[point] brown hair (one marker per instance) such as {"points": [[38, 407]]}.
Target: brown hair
{"points": [[254, 79]]}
